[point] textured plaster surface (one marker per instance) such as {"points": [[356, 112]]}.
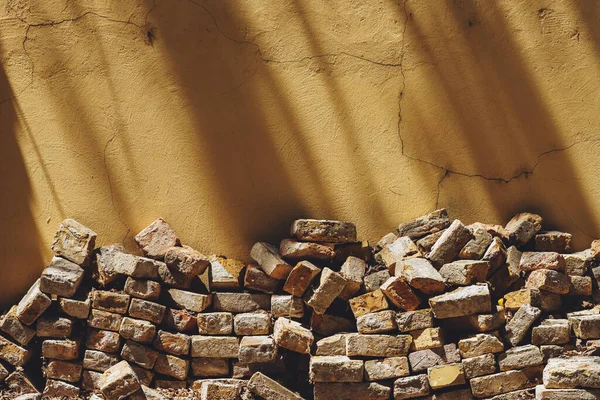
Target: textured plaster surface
{"points": [[232, 118]]}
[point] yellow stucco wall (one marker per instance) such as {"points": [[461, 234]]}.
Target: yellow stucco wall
{"points": [[232, 118]]}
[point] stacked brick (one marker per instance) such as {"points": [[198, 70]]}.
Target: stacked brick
{"points": [[435, 310]]}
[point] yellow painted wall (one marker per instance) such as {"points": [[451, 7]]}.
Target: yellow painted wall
{"points": [[232, 118]]}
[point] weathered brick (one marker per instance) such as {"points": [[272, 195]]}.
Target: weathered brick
{"points": [[110, 301], [61, 278], [54, 327], [180, 320], [411, 386], [59, 389], [294, 250], [330, 286], [106, 341], [142, 288], [105, 320], [548, 280], [215, 346], [257, 349], [74, 241], [63, 370], [378, 322], [63, 349], [12, 326], [447, 247], [421, 275], [522, 228], [270, 261], [321, 230], [559, 242], [157, 238], [443, 376], [353, 270], [12, 353], [33, 304], [210, 367], [256, 323], [374, 281], [479, 344], [267, 388], [400, 294], [218, 323], [484, 364], [257, 279], [287, 306], [240, 302], [75, 308], [517, 327], [393, 253], [173, 343], [465, 272], [421, 360], [189, 300], [335, 369], [428, 338], [377, 345], [137, 330], [386, 368], [99, 361], [531, 261], [368, 303], [425, 225], [520, 357], [186, 260], [551, 331], [351, 391], [118, 381], [466, 300], [292, 335], [139, 354], [147, 310], [225, 274], [328, 324], [502, 382]]}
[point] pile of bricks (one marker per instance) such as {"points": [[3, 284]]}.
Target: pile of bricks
{"points": [[435, 310]]}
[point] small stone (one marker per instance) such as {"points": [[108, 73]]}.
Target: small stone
{"points": [[428, 338], [157, 238], [351, 391], [174, 279], [377, 345], [137, 330], [89, 382], [106, 341], [466, 300], [225, 273], [54, 327], [292, 335], [353, 270], [12, 353], [320, 230], [368, 303], [522, 228], [257, 349], [240, 302], [33, 304], [421, 275], [398, 250], [210, 367], [585, 326], [63, 349], [386, 368], [270, 261], [257, 279], [495, 255], [18, 383], [480, 365], [421, 360], [425, 225], [517, 327], [327, 324], [447, 247], [414, 320], [287, 306], [465, 272], [219, 323], [12, 326], [378, 322], [256, 323], [502, 382], [531, 261], [300, 278], [61, 278], [578, 264], [189, 300], [443, 376], [330, 287], [99, 361], [479, 344], [215, 346], [142, 288], [520, 357], [138, 354], [514, 300], [172, 366], [267, 388], [173, 343], [74, 241], [400, 294], [411, 386], [551, 331], [180, 320], [118, 381], [147, 310], [59, 389], [548, 280], [75, 308], [332, 345], [62, 370], [559, 242], [294, 250], [573, 372], [110, 301], [335, 369], [580, 286], [541, 393], [476, 247], [374, 281], [105, 320], [186, 260]]}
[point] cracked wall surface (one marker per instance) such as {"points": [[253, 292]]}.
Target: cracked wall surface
{"points": [[232, 118]]}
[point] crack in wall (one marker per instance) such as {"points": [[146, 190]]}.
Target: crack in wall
{"points": [[110, 187]]}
